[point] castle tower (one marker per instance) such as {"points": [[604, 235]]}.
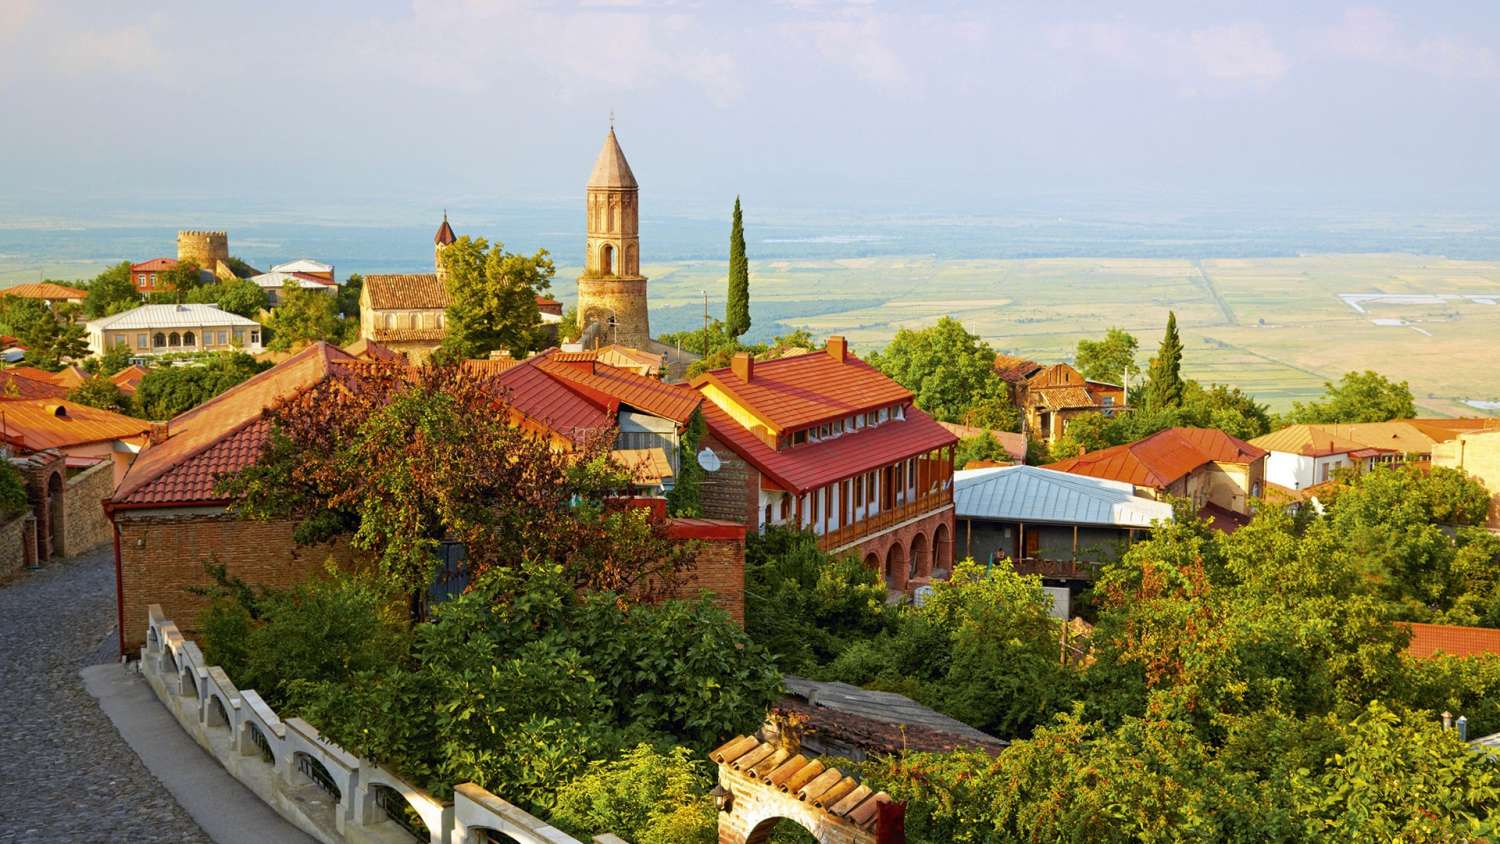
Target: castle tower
{"points": [[612, 291], [206, 249], [440, 241]]}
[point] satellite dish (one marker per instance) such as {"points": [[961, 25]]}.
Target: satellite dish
{"points": [[708, 460]]}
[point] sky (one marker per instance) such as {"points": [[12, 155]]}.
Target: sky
{"points": [[922, 107]]}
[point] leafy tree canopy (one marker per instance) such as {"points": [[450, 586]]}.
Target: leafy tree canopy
{"points": [[306, 316], [1108, 359], [951, 372], [166, 391], [1358, 397], [111, 292], [98, 391], [492, 297], [1164, 379]]}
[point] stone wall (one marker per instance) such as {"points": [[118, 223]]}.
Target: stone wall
{"points": [[625, 299], [733, 492], [271, 757], [85, 524], [13, 539], [162, 555]]}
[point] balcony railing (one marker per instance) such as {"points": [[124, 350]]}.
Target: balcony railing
{"points": [[885, 519]]}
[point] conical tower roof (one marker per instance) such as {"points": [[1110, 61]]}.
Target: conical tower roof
{"points": [[611, 170], [444, 234]]}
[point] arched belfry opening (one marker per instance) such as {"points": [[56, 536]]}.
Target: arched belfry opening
{"points": [[607, 259]]}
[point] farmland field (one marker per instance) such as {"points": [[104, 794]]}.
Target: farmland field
{"points": [[1275, 327]]}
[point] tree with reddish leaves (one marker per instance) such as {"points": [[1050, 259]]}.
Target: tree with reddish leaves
{"points": [[398, 459]]}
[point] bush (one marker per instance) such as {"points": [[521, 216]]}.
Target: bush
{"points": [[646, 796], [13, 500]]}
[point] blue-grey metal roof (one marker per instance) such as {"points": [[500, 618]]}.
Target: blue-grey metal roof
{"points": [[1033, 494]]}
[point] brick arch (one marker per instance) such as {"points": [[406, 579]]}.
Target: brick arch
{"points": [[942, 547], [872, 561], [762, 832], [895, 567], [919, 558]]}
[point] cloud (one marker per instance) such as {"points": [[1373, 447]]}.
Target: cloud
{"points": [[1239, 53], [14, 14], [1374, 35]]}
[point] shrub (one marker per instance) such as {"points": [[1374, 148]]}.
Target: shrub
{"points": [[645, 795]]}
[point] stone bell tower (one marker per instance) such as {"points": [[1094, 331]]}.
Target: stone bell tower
{"points": [[611, 290], [440, 241]]}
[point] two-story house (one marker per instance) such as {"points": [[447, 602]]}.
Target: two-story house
{"points": [[827, 442]]}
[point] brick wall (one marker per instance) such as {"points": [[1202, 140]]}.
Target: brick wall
{"points": [[85, 524], [733, 492], [161, 556], [13, 539], [929, 539], [719, 567]]}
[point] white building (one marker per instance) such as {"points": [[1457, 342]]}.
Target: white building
{"points": [[306, 266], [1300, 456], [163, 329], [275, 281]]}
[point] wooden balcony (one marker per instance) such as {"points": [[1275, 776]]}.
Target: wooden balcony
{"points": [[886, 519]]}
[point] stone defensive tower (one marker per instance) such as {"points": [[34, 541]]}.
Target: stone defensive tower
{"points": [[440, 241], [206, 249], [611, 290]]}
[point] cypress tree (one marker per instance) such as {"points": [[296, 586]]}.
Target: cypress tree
{"points": [[1164, 389], [737, 310]]}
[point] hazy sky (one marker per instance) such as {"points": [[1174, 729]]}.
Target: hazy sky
{"points": [[797, 104]]}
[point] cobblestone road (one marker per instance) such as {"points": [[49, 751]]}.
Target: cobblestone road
{"points": [[65, 774]]}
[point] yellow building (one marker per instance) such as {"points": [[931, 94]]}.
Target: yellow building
{"points": [[1478, 453]]}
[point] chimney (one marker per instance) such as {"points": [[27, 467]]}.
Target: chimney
{"points": [[838, 348], [158, 433], [743, 366]]}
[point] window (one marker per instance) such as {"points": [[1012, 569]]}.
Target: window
{"points": [[872, 418], [142, 341], [1109, 401], [239, 337], [859, 490], [870, 489], [786, 507], [140, 280], [223, 337], [159, 340], [254, 336], [174, 339], [799, 437], [767, 519], [188, 339]]}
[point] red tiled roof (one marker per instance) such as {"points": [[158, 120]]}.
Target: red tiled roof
{"points": [[222, 435], [810, 466], [1430, 639], [409, 291], [53, 423], [1222, 519], [539, 396], [410, 335], [1160, 459], [444, 234], [128, 378], [1014, 369], [670, 401], [15, 385], [154, 264], [44, 290], [794, 392]]}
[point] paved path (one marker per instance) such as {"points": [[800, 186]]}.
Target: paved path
{"points": [[65, 773]]}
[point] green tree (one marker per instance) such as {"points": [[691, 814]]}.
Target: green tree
{"points": [[13, 500], [567, 330], [1358, 397], [737, 307], [492, 297], [111, 292], [54, 338], [237, 296], [1108, 360], [181, 280], [948, 369], [166, 391], [979, 447], [1164, 385], [1225, 408], [98, 391], [348, 296], [240, 267], [114, 359], [646, 796], [306, 316]]}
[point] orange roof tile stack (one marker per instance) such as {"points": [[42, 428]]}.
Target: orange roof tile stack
{"points": [[411, 291], [1160, 459], [828, 791]]}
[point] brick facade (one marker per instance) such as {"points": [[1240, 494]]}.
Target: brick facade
{"points": [[733, 492], [927, 540], [85, 523], [161, 555], [719, 567]]}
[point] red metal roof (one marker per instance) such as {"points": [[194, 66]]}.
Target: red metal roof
{"points": [[1160, 459], [222, 435], [794, 392], [810, 466], [1431, 639], [542, 398], [54, 423], [154, 264], [670, 401]]}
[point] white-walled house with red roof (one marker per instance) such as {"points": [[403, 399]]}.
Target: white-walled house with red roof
{"points": [[829, 443]]}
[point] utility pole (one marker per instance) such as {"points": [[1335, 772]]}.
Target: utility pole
{"points": [[705, 323]]}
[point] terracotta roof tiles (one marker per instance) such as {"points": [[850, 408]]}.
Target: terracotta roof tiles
{"points": [[16, 385], [1160, 459], [670, 401], [154, 265], [1428, 640], [44, 290], [128, 378], [408, 291], [55, 423]]}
